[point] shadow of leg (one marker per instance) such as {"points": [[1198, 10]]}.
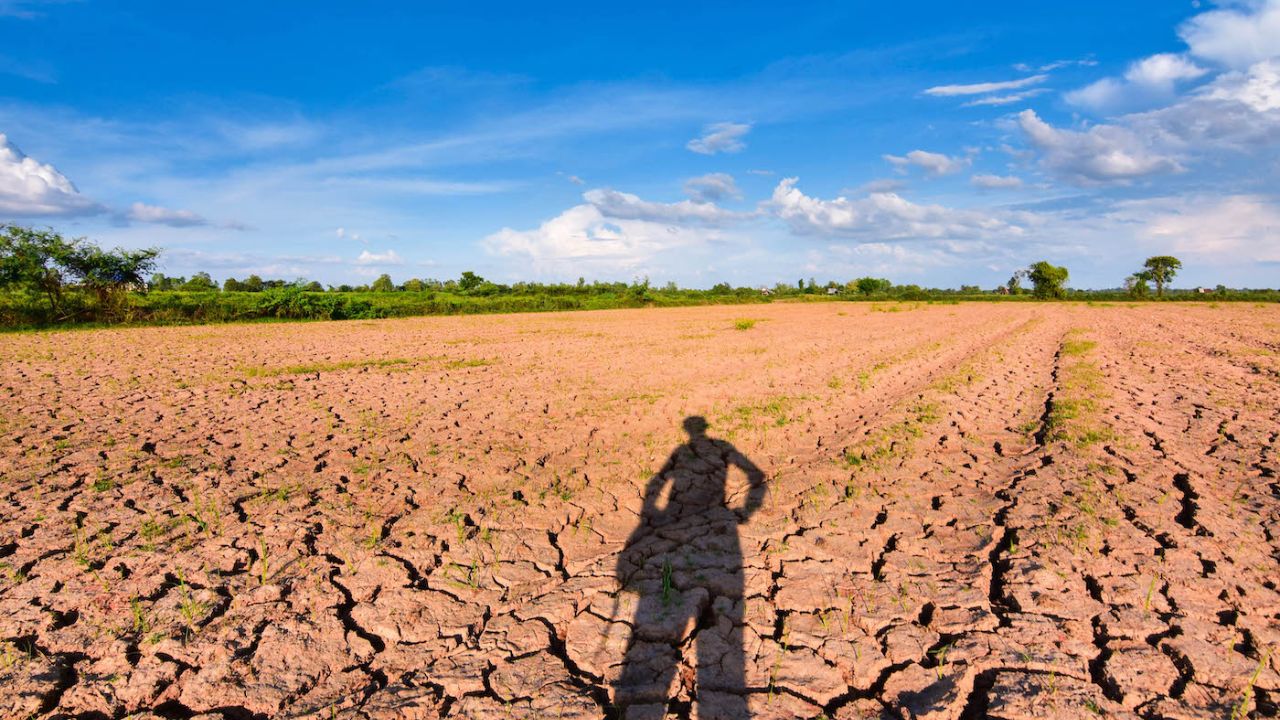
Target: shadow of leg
{"points": [[644, 685], [722, 687]]}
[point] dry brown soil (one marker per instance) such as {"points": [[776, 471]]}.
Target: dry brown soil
{"points": [[1004, 510]]}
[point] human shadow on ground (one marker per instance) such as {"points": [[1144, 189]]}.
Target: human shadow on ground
{"points": [[684, 560]]}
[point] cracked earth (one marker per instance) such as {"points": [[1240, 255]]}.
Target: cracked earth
{"points": [[1004, 510]]}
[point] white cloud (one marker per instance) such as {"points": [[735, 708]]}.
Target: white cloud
{"points": [[883, 185], [31, 188], [1233, 229], [390, 257], [1235, 37], [1163, 70], [723, 137], [583, 239], [1055, 65], [614, 204], [1103, 153], [1149, 80], [141, 212], [993, 182], [1238, 111], [712, 187], [986, 87], [1259, 88], [885, 216], [934, 163], [27, 9], [1006, 99], [343, 234]]}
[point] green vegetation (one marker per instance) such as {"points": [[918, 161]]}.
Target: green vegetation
{"points": [[1048, 281], [46, 280], [1074, 410], [1160, 269]]}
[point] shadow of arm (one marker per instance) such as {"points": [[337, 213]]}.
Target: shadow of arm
{"points": [[756, 480]]}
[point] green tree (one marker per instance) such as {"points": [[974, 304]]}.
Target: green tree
{"points": [[1160, 269], [383, 284], [871, 286], [1047, 281], [108, 273], [1136, 284], [200, 282], [414, 285], [253, 283], [469, 281], [1015, 282], [32, 260]]}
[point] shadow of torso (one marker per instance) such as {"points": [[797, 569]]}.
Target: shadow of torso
{"points": [[683, 565]]}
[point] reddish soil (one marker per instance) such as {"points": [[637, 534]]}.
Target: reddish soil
{"points": [[1005, 510]]}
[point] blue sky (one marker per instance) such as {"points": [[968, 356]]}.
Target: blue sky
{"points": [[931, 143]]}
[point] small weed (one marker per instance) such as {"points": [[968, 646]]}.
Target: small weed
{"points": [[264, 562], [744, 324], [1073, 348], [1242, 708], [191, 609], [14, 575], [940, 655], [206, 513], [141, 623]]}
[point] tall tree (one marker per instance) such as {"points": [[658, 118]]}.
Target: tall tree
{"points": [[32, 259], [109, 272], [1136, 284], [383, 284], [1047, 280], [1160, 269]]}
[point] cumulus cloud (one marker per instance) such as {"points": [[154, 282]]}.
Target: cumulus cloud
{"points": [[1230, 229], [723, 137], [985, 87], [1238, 110], [1258, 88], [712, 187], [390, 257], [1145, 81], [885, 216], [1236, 37], [584, 238], [1100, 154], [934, 163], [35, 189], [142, 212], [996, 182], [614, 204]]}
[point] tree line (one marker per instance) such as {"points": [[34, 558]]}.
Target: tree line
{"points": [[46, 279]]}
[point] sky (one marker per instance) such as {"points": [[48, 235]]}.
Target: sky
{"points": [[935, 143]]}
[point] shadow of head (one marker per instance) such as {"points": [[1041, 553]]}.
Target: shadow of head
{"points": [[696, 426]]}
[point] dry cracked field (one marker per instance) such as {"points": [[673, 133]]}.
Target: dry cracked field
{"points": [[1006, 510]]}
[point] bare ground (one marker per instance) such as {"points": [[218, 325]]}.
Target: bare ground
{"points": [[972, 511]]}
